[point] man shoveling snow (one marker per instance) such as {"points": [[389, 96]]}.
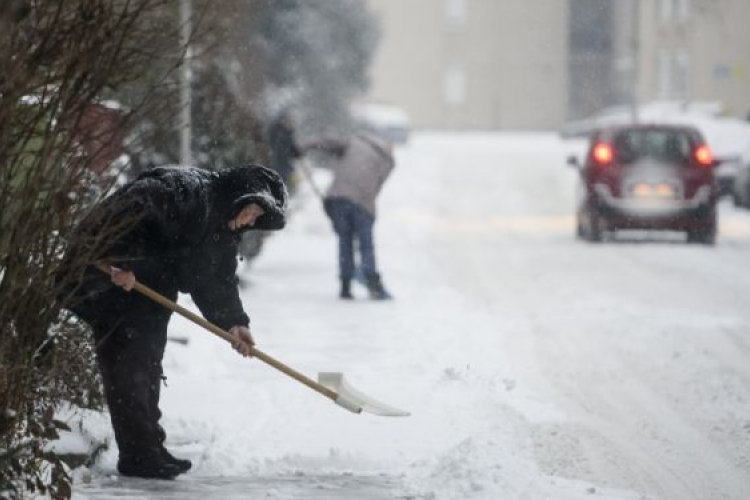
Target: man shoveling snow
{"points": [[176, 229]]}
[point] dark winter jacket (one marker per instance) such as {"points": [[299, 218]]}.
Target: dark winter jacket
{"points": [[176, 236]]}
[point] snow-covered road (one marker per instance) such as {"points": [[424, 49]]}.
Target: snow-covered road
{"points": [[536, 366]]}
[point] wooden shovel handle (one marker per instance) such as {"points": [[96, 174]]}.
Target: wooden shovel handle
{"points": [[157, 297]]}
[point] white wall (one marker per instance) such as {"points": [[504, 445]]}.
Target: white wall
{"points": [[473, 64], [697, 50]]}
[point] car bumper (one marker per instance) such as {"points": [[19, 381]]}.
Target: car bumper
{"points": [[655, 212]]}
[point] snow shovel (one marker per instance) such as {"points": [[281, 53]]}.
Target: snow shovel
{"points": [[330, 384], [307, 172]]}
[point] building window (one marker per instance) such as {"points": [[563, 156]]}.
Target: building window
{"points": [[666, 11], [683, 10], [680, 68], [664, 74], [455, 13], [454, 86], [673, 74]]}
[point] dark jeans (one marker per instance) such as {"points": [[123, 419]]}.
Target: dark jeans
{"points": [[352, 222], [130, 347]]}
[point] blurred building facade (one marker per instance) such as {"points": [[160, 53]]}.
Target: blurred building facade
{"points": [[591, 42], [534, 64], [473, 64], [695, 50]]}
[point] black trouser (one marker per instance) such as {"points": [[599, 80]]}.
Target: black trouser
{"points": [[130, 347]]}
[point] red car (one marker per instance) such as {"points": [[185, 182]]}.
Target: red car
{"points": [[648, 177]]}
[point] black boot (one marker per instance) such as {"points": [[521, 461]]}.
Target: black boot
{"points": [[182, 464], [376, 289], [147, 464], [346, 289]]}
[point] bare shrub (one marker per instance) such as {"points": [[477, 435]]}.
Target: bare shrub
{"points": [[58, 60]]}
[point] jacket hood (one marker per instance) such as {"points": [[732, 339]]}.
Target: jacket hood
{"points": [[237, 187]]}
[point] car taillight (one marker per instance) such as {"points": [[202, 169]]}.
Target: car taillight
{"points": [[603, 153], [703, 156]]}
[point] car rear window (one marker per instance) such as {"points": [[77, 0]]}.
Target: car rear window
{"points": [[670, 146]]}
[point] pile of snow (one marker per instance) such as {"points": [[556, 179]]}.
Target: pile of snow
{"points": [[430, 351], [485, 422]]}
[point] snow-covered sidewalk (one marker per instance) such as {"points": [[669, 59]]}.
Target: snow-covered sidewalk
{"points": [[500, 316]]}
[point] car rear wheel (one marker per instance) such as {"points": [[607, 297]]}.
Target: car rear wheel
{"points": [[591, 225], [706, 234]]}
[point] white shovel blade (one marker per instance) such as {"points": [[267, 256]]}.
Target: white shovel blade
{"points": [[355, 401]]}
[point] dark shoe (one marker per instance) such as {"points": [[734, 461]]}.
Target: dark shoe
{"points": [[182, 464], [376, 289], [147, 467], [346, 289]]}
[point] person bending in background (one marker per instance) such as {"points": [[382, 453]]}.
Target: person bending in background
{"points": [[359, 172], [182, 235]]}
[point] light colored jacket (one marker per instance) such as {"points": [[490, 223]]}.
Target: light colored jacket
{"points": [[361, 171]]}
